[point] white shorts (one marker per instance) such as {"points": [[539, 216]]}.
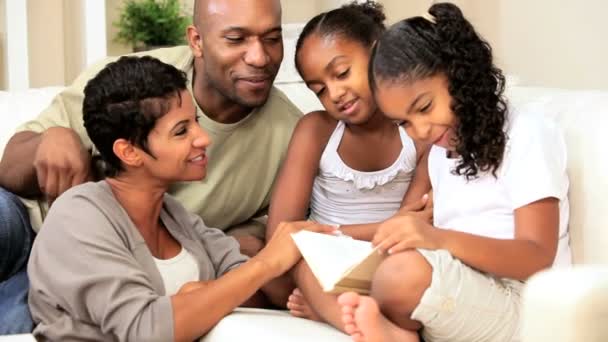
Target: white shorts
{"points": [[463, 304]]}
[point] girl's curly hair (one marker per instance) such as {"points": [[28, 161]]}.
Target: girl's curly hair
{"points": [[417, 48]]}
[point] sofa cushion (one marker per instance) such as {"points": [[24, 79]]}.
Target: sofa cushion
{"points": [[583, 117], [17, 107], [246, 324], [566, 305]]}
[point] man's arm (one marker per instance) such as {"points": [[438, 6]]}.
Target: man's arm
{"points": [[49, 154], [46, 163], [17, 173]]}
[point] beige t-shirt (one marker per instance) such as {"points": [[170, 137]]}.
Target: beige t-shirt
{"points": [[244, 157]]}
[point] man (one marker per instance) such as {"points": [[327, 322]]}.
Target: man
{"points": [[235, 50]]}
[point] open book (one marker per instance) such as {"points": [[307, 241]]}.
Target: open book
{"points": [[339, 263]]}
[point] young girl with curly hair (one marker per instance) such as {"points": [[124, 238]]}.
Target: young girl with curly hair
{"points": [[347, 165], [500, 192]]}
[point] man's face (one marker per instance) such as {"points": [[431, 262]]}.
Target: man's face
{"points": [[242, 48]]}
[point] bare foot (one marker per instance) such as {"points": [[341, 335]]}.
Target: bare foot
{"points": [[364, 322], [298, 306]]}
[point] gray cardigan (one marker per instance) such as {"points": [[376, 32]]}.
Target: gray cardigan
{"points": [[93, 277]]}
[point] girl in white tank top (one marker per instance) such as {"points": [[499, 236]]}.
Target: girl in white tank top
{"points": [[342, 195], [347, 165]]}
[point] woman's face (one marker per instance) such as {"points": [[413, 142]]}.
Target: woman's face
{"points": [[422, 107], [335, 69], [177, 144]]}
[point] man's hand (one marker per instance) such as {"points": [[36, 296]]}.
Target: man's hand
{"points": [[61, 162]]}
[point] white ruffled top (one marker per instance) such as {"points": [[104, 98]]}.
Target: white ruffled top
{"points": [[343, 195]]}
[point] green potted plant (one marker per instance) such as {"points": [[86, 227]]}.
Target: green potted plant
{"points": [[149, 24]]}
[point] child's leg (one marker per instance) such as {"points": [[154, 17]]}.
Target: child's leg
{"points": [[325, 305], [460, 304], [298, 306], [398, 285], [364, 322]]}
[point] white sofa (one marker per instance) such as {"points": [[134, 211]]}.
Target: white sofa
{"points": [[559, 305]]}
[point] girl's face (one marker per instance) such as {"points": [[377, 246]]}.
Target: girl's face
{"points": [[335, 69], [422, 107], [178, 144]]}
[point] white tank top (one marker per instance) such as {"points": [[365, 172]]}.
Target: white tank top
{"points": [[177, 271], [342, 195]]}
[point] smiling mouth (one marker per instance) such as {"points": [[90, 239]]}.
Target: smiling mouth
{"points": [[198, 158], [441, 137], [255, 79], [348, 105]]}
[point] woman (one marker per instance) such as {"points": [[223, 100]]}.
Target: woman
{"points": [[122, 260]]}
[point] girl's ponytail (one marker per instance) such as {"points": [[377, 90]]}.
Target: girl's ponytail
{"points": [[446, 43], [356, 21], [371, 9]]}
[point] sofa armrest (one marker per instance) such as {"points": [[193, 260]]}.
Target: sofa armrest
{"points": [[566, 305]]}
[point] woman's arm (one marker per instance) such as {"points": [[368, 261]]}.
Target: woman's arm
{"points": [[109, 288], [293, 187], [197, 310]]}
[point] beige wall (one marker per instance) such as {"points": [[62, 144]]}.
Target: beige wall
{"points": [[112, 14], [549, 43], [557, 43], [554, 43], [46, 42], [297, 11]]}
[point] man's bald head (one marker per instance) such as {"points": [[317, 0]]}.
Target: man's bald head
{"points": [[204, 8], [197, 16]]}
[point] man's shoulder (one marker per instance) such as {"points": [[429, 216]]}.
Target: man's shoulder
{"points": [[179, 56]]}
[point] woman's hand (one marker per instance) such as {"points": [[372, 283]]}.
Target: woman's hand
{"points": [[406, 232], [281, 252]]}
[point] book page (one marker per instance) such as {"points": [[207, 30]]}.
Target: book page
{"points": [[359, 277], [329, 256]]}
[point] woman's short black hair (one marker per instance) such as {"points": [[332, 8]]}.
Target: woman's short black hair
{"points": [[360, 22], [417, 48], [124, 100]]}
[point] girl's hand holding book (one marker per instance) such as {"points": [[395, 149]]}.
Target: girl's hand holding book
{"points": [[406, 232]]}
